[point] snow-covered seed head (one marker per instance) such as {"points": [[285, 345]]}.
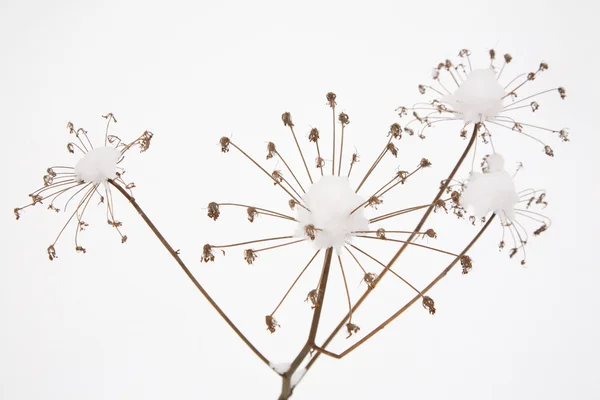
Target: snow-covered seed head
{"points": [[224, 142], [429, 304], [329, 204], [98, 165], [207, 253], [313, 297], [272, 324], [286, 117], [79, 184], [250, 255], [352, 329], [252, 213], [479, 97], [213, 211], [466, 263], [271, 150]]}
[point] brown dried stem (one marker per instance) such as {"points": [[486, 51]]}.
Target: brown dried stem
{"points": [[185, 269]]}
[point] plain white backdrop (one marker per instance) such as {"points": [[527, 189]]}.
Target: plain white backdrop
{"points": [[123, 322]]}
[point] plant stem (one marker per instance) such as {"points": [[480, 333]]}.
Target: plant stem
{"points": [[185, 269], [286, 387]]}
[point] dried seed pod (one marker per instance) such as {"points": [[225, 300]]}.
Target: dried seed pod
{"points": [[250, 255], [381, 233], [467, 264], [548, 150], [370, 279], [272, 324], [313, 296], [292, 203], [425, 163], [429, 304], [431, 233], [562, 92], [271, 150], [344, 119], [224, 144], [286, 117], [539, 230], [313, 136], [213, 211], [252, 213], [395, 131], [207, 253], [51, 253], [352, 329], [392, 149], [331, 99], [374, 201]]}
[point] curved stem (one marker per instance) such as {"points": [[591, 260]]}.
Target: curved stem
{"points": [[185, 269]]}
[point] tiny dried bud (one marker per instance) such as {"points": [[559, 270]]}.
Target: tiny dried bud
{"points": [[381, 233], [213, 211], [313, 297], [272, 324], [271, 150], [123, 238], [501, 245], [431, 233], [492, 54], [425, 163], [52, 253], [17, 214], [466, 263], [252, 213], [513, 252], [51, 207], [422, 89], [395, 131], [224, 144], [207, 253], [51, 172], [401, 111], [507, 58], [352, 329], [374, 201], [464, 53], [370, 279], [292, 203], [548, 150], [250, 255], [83, 225], [534, 106], [455, 197], [35, 198], [410, 131], [331, 99], [463, 134], [448, 64], [286, 117], [429, 304], [355, 158], [539, 230], [439, 204], [277, 177], [562, 92], [392, 149], [564, 135], [472, 220], [402, 176], [344, 119], [517, 127], [320, 162], [313, 136], [71, 148], [540, 200], [435, 74], [543, 66], [531, 76], [310, 231], [145, 141], [80, 249]]}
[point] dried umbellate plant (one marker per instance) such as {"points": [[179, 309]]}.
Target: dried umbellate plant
{"points": [[324, 209]]}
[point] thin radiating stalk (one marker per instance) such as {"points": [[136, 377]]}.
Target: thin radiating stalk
{"points": [[185, 269], [301, 155]]}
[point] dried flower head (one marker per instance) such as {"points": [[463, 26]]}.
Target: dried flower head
{"points": [[466, 263], [91, 177], [429, 304], [213, 211], [481, 96], [252, 213], [313, 297], [352, 329], [272, 324], [250, 255], [207, 253], [370, 279], [286, 117]]}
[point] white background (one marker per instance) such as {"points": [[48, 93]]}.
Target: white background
{"points": [[123, 322]]}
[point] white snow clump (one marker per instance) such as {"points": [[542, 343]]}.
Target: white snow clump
{"points": [[330, 201], [98, 165], [479, 97], [280, 368], [492, 190]]}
